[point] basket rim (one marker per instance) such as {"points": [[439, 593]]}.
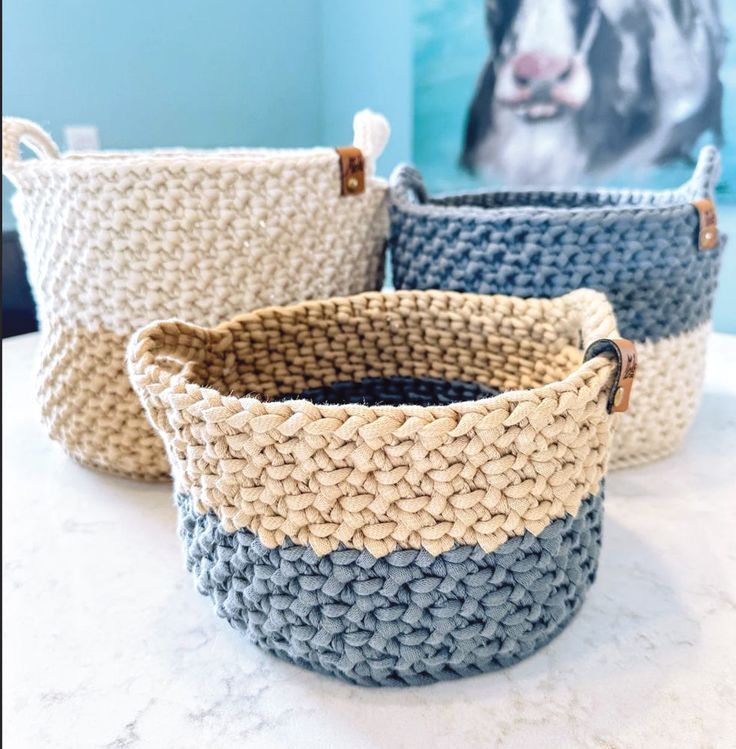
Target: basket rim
{"points": [[144, 162], [535, 213], [371, 133], [213, 439], [701, 183], [142, 366]]}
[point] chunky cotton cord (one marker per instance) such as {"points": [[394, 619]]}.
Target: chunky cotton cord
{"points": [[475, 472], [114, 240], [371, 134], [389, 544], [408, 618], [640, 247]]}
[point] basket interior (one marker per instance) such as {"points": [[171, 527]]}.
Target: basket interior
{"points": [[395, 391], [477, 346]]}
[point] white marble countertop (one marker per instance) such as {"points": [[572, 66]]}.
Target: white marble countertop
{"points": [[107, 644]]}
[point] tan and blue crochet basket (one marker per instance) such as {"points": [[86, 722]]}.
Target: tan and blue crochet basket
{"points": [[655, 254], [391, 488]]}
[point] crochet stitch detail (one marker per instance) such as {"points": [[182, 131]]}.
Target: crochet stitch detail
{"points": [[666, 396], [114, 240], [395, 391], [640, 247], [385, 477], [407, 619]]}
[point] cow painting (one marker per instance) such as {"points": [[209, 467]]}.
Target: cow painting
{"points": [[579, 87]]}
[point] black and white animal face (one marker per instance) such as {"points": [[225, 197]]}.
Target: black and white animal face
{"points": [[541, 64], [579, 86]]}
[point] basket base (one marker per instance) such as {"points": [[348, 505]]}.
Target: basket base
{"points": [[408, 618]]}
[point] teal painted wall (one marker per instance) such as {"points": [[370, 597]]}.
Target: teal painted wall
{"points": [[366, 61]]}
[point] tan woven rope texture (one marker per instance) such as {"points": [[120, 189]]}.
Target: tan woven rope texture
{"points": [[116, 240], [379, 477]]}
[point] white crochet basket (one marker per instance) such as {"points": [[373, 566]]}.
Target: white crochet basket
{"points": [[115, 240]]}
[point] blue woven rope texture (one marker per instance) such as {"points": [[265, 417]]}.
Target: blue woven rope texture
{"points": [[406, 619], [640, 248]]}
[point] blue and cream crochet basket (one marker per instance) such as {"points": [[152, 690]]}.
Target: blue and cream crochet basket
{"points": [[656, 254], [391, 488]]}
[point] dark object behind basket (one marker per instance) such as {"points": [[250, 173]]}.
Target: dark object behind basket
{"points": [[19, 310]]}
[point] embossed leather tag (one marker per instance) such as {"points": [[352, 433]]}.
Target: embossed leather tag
{"points": [[624, 352], [352, 170], [708, 227]]}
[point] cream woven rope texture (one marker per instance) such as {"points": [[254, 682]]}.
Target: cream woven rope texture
{"points": [[669, 381], [115, 240], [379, 478]]}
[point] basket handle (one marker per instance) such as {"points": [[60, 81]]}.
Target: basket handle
{"points": [[170, 340], [406, 184], [151, 351], [17, 131], [371, 132], [705, 176]]}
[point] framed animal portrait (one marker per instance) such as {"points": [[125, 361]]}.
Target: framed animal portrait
{"points": [[543, 93]]}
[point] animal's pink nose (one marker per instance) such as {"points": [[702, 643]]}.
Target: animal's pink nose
{"points": [[531, 68]]}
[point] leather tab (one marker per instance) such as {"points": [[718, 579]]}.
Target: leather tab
{"points": [[624, 353], [352, 170], [708, 226]]}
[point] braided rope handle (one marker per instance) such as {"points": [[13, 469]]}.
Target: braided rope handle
{"points": [[407, 184], [371, 132], [705, 176], [168, 346], [17, 131], [162, 351]]}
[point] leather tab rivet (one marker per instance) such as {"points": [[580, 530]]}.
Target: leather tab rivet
{"points": [[624, 354], [352, 170], [708, 224]]}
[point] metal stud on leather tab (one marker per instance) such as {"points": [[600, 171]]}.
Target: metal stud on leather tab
{"points": [[708, 224], [624, 353], [352, 170]]}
